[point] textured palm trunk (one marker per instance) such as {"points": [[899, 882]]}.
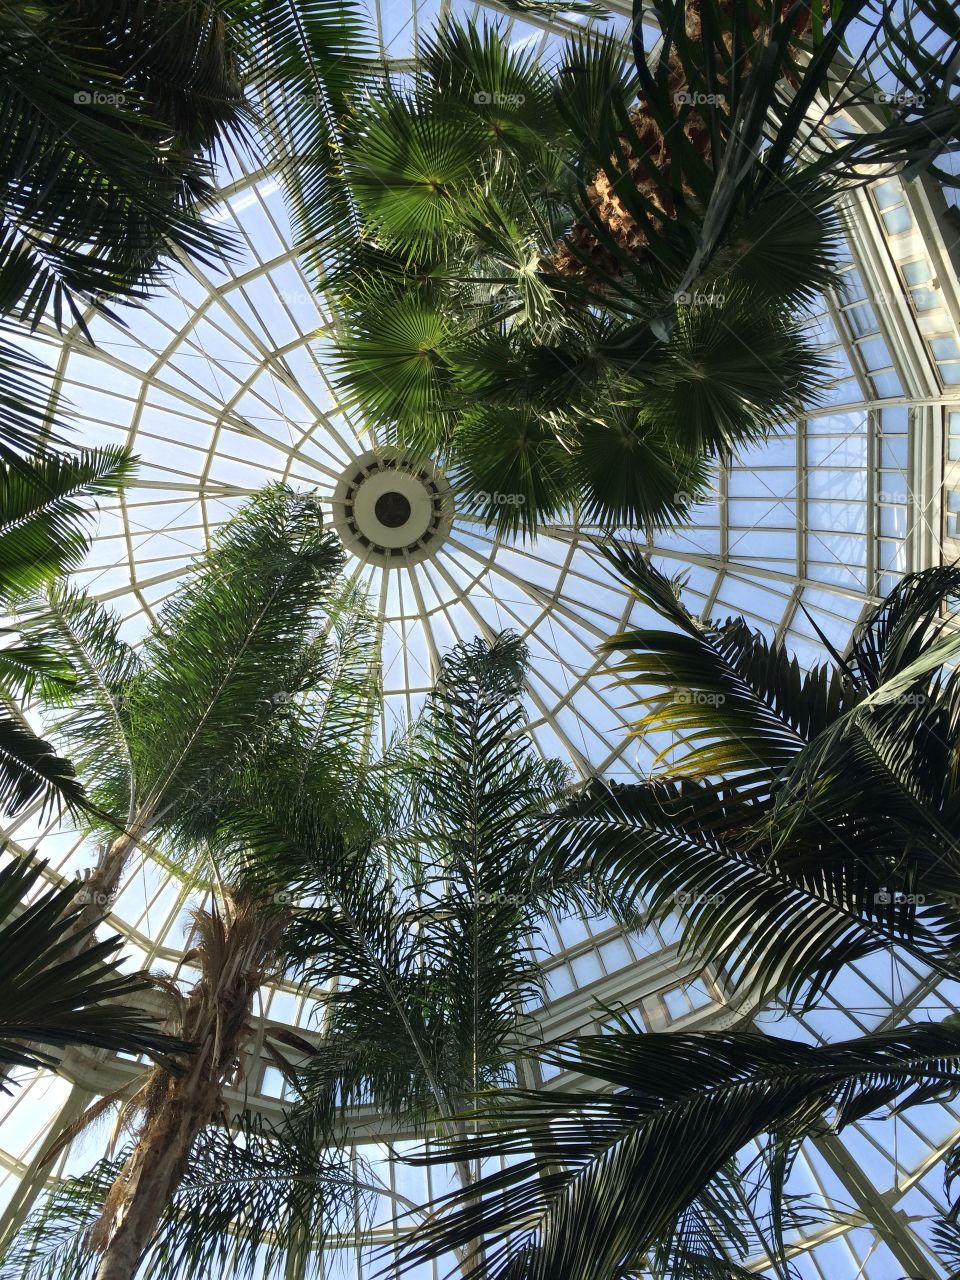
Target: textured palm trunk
{"points": [[235, 957], [606, 203], [100, 887]]}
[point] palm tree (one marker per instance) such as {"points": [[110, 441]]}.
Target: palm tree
{"points": [[420, 921], [799, 820], [593, 1180], [317, 735], [156, 734], [575, 293], [250, 1187], [756, 137], [235, 952], [112, 113], [462, 334], [45, 509]]}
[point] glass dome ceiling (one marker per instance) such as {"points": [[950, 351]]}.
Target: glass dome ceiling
{"points": [[219, 385]]}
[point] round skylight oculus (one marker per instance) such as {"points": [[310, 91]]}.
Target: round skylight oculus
{"points": [[390, 509]]}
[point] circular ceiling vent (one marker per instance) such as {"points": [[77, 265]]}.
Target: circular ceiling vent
{"points": [[389, 509]]}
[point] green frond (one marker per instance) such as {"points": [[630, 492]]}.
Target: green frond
{"points": [[46, 506], [224, 651], [254, 1187], [91, 203], [315, 60], [57, 993], [683, 1106], [632, 473], [30, 768], [88, 712], [734, 700], [394, 364], [506, 88], [25, 427], [412, 172], [731, 371], [510, 469], [787, 923]]}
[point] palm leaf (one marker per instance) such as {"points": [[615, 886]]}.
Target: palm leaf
{"points": [[45, 504], [89, 709], [510, 469], [739, 702], [108, 118], [317, 54], [25, 428], [250, 1191], [683, 1106], [394, 362], [788, 922], [235, 637], [30, 768], [55, 995], [802, 820]]}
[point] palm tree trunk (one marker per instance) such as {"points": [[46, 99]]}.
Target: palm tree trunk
{"points": [[101, 885], [605, 202], [236, 955]]}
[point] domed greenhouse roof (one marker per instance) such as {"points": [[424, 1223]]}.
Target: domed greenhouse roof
{"points": [[223, 382]]}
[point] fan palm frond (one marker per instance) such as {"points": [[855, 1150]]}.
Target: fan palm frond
{"points": [[58, 993]]}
